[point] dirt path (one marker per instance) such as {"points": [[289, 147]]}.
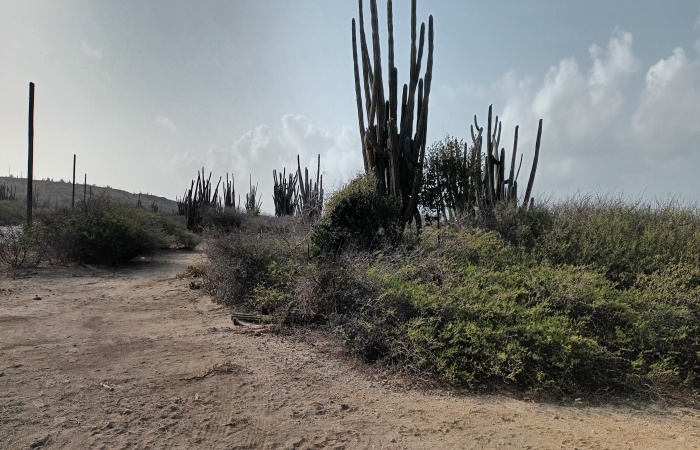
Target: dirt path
{"points": [[136, 359]]}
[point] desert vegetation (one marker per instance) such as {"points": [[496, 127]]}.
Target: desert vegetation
{"points": [[99, 230], [589, 295], [434, 263]]}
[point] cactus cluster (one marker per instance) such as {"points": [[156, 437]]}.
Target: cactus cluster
{"points": [[284, 193], [200, 196], [310, 196], [492, 186], [393, 145], [469, 182], [298, 194]]}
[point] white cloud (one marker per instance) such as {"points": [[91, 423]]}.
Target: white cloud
{"points": [[601, 135], [166, 123], [667, 119], [90, 52], [260, 150]]}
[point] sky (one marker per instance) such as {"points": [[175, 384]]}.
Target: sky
{"points": [[146, 92]]}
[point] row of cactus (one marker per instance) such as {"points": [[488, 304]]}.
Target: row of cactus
{"points": [[298, 195], [393, 147], [8, 192], [200, 195]]}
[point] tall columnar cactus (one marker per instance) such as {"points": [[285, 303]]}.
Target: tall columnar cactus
{"points": [[284, 193], [229, 194], [252, 199], [492, 185], [310, 195], [393, 147]]}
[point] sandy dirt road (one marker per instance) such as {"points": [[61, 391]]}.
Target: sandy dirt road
{"points": [[135, 359]]}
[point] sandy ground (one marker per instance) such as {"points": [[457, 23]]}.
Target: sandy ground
{"points": [[134, 358]]}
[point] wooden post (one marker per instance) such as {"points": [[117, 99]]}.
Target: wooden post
{"points": [[72, 202], [85, 189], [30, 156]]}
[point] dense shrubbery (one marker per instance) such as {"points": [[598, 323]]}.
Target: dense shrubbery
{"points": [[577, 297], [109, 232], [258, 264], [98, 231]]}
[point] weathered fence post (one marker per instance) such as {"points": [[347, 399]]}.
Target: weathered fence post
{"points": [[72, 202], [30, 155]]}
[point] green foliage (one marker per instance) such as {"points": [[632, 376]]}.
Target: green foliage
{"points": [[256, 265], [622, 240], [587, 296], [108, 232], [448, 185], [359, 217]]}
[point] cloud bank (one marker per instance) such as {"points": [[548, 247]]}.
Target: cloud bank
{"points": [[606, 131]]}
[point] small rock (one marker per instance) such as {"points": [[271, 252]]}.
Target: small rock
{"points": [[109, 425], [40, 442], [36, 297], [393, 440], [344, 406]]}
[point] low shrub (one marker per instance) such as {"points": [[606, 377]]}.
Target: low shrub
{"points": [[622, 240], [19, 247], [255, 269]]}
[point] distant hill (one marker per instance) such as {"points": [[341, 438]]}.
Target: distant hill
{"points": [[52, 194]]}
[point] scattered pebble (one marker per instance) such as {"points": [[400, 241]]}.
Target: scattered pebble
{"points": [[36, 297]]}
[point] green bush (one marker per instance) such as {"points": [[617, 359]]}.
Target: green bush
{"points": [[256, 269], [478, 311], [357, 217], [578, 298], [104, 231], [622, 240]]}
